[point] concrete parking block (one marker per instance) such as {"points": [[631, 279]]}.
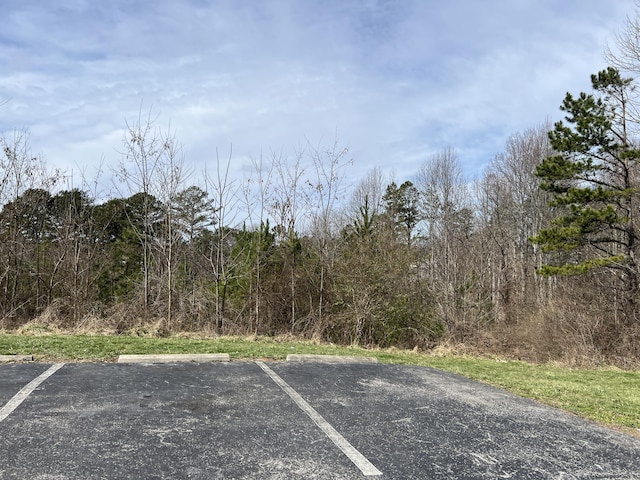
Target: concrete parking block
{"points": [[294, 357], [16, 358], [173, 358]]}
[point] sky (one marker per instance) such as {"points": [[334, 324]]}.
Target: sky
{"points": [[395, 82]]}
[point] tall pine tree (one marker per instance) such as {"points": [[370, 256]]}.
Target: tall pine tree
{"points": [[594, 179]]}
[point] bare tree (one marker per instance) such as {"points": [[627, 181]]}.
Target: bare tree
{"points": [[512, 209], [365, 204], [171, 178], [627, 41], [152, 167], [20, 171], [449, 223], [369, 189], [325, 190], [444, 190], [256, 193], [285, 207], [626, 58], [225, 193]]}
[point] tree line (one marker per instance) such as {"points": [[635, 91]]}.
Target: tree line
{"points": [[537, 257]]}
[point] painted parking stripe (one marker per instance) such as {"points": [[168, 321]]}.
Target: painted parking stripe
{"points": [[22, 395], [360, 461]]}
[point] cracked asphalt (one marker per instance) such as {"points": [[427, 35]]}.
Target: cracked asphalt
{"points": [[233, 421]]}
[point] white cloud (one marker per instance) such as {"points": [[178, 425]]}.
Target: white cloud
{"points": [[398, 81]]}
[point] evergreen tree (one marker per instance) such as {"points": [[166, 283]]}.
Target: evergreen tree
{"points": [[594, 181], [401, 207]]}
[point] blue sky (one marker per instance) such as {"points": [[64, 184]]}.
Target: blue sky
{"points": [[396, 81]]}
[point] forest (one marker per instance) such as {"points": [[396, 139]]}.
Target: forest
{"points": [[537, 258]]}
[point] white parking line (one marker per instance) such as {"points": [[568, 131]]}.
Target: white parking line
{"points": [[22, 395], [360, 461]]}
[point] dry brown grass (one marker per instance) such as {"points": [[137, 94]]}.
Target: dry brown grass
{"points": [[569, 334]]}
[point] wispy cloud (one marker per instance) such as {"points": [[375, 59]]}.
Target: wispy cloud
{"points": [[398, 81]]}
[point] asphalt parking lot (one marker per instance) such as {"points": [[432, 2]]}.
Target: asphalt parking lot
{"points": [[283, 420]]}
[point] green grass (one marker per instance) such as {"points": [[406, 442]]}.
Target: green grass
{"points": [[106, 348], [608, 396]]}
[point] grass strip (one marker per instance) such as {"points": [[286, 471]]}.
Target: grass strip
{"points": [[609, 396]]}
